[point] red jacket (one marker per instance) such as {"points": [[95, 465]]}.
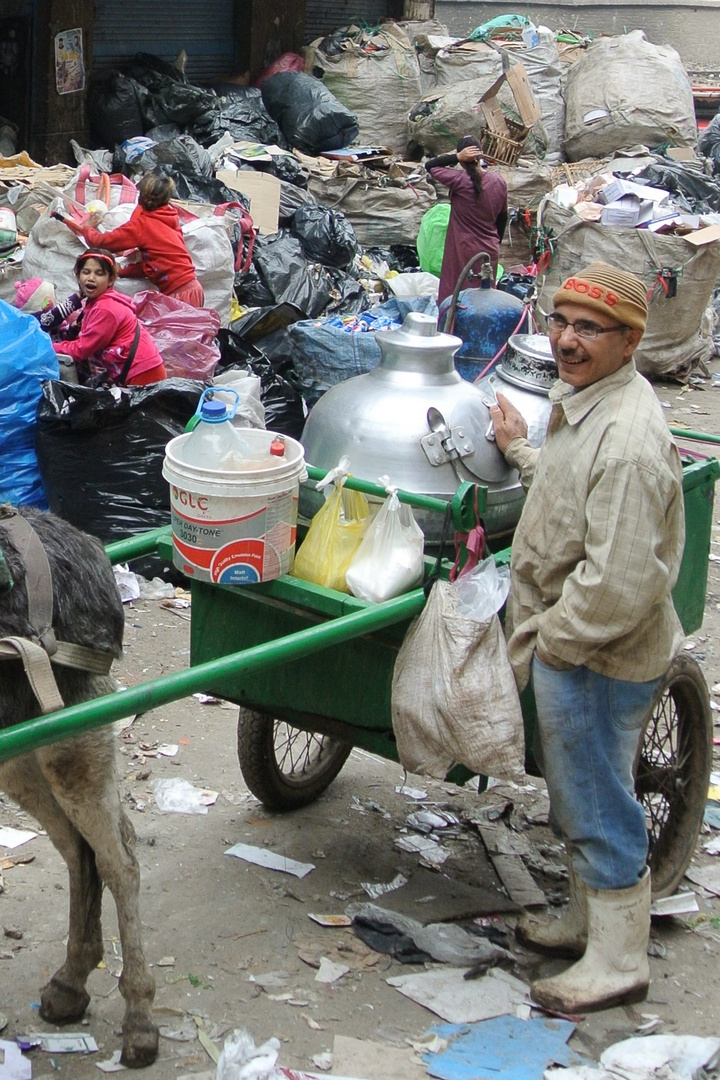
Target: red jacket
{"points": [[156, 233], [107, 334]]}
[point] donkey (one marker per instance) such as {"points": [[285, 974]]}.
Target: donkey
{"points": [[71, 787]]}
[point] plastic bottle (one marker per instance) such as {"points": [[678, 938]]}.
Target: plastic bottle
{"points": [[214, 443], [530, 36]]}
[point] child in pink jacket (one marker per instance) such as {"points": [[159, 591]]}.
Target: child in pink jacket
{"points": [[112, 339]]}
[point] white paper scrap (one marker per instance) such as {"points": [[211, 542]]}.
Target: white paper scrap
{"points": [[445, 992], [270, 859], [330, 972], [374, 889], [14, 1066], [708, 878], [429, 851], [112, 1064], [12, 838], [412, 793], [683, 903], [74, 1042], [712, 847]]}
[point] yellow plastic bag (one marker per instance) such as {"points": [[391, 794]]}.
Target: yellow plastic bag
{"points": [[333, 539]]}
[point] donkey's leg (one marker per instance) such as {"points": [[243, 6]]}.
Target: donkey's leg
{"points": [[65, 998], [82, 775]]}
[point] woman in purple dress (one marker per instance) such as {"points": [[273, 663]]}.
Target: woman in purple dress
{"points": [[478, 211]]}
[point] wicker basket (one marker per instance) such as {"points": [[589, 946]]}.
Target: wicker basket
{"points": [[504, 149]]}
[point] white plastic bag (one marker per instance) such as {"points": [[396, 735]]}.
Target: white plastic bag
{"points": [[483, 591], [389, 560], [454, 698], [242, 1060]]}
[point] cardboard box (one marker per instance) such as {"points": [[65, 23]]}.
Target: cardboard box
{"points": [[263, 190], [527, 107]]}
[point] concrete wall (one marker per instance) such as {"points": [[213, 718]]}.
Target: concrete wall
{"points": [[692, 28]]}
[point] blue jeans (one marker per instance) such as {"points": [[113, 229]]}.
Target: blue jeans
{"points": [[589, 728]]}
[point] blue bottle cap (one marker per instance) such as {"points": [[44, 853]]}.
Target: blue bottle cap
{"points": [[213, 410]]}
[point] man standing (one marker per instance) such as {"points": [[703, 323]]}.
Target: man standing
{"points": [[591, 622]]}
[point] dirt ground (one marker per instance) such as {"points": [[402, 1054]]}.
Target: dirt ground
{"points": [[232, 945]]}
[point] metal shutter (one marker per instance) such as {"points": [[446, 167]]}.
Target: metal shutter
{"points": [[322, 16], [164, 27]]}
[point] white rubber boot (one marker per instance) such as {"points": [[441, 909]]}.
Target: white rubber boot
{"points": [[614, 969], [566, 936]]}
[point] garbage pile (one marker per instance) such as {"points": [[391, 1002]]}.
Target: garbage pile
{"points": [[302, 196]]}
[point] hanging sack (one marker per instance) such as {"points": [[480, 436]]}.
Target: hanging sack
{"points": [[454, 698], [389, 561], [334, 535]]}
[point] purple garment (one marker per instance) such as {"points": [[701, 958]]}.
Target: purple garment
{"points": [[472, 227]]}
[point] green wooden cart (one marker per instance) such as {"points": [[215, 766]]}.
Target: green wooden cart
{"points": [[311, 671]]}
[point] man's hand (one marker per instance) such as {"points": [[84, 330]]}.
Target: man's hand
{"points": [[508, 423]]}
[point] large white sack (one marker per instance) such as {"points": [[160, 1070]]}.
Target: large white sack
{"points": [[449, 112], [679, 335], [378, 87], [626, 91]]}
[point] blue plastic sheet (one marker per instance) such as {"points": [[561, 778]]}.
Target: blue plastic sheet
{"points": [[26, 360], [504, 1047], [326, 353]]}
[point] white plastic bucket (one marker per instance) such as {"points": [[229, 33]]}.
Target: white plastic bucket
{"points": [[235, 528]]}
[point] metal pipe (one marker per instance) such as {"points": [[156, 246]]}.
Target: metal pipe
{"points": [[422, 502], [220, 674], [698, 436], [141, 544]]}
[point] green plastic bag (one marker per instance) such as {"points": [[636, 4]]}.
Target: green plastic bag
{"points": [[431, 237]]}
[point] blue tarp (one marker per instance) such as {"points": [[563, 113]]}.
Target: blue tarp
{"points": [[26, 360]]}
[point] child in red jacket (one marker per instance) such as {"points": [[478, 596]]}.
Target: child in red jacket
{"points": [[154, 228], [111, 340]]}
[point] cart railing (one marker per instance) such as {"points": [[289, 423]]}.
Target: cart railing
{"points": [[97, 712]]}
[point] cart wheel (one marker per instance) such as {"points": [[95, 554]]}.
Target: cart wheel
{"points": [[285, 767], [673, 771]]}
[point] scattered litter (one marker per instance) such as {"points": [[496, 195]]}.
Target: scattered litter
{"points": [[707, 877], [127, 583], [656, 949], [329, 971], [380, 889], [361, 1057], [112, 1064], [157, 589], [312, 1023], [511, 869], [429, 1043], [674, 1057], [3, 1021], [15, 860], [270, 979], [168, 749], [165, 961], [323, 1061], [690, 645], [12, 838], [412, 793], [73, 1042], [711, 816], [431, 853], [712, 847], [186, 1032], [13, 932], [179, 796], [208, 699], [683, 903], [445, 992], [330, 920], [242, 1060], [649, 1025], [435, 897], [14, 1066], [427, 821], [270, 860], [504, 1046]]}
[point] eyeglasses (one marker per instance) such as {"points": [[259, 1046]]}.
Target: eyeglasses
{"points": [[582, 327]]}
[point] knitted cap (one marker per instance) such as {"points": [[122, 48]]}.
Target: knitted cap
{"points": [[606, 289], [34, 295]]}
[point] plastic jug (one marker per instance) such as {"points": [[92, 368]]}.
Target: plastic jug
{"points": [[214, 442]]}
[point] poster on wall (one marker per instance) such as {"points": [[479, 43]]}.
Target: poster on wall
{"points": [[69, 65]]}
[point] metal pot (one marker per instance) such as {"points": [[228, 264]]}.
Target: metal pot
{"points": [[416, 420]]}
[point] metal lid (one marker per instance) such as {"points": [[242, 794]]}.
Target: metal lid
{"points": [[528, 361]]}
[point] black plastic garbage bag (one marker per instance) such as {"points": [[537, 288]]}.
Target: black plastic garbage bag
{"points": [[284, 411], [289, 276], [291, 199], [101, 457], [251, 290], [184, 154], [696, 192], [114, 111], [242, 113], [309, 116], [171, 98], [709, 142], [204, 189], [326, 235], [347, 296], [255, 325]]}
